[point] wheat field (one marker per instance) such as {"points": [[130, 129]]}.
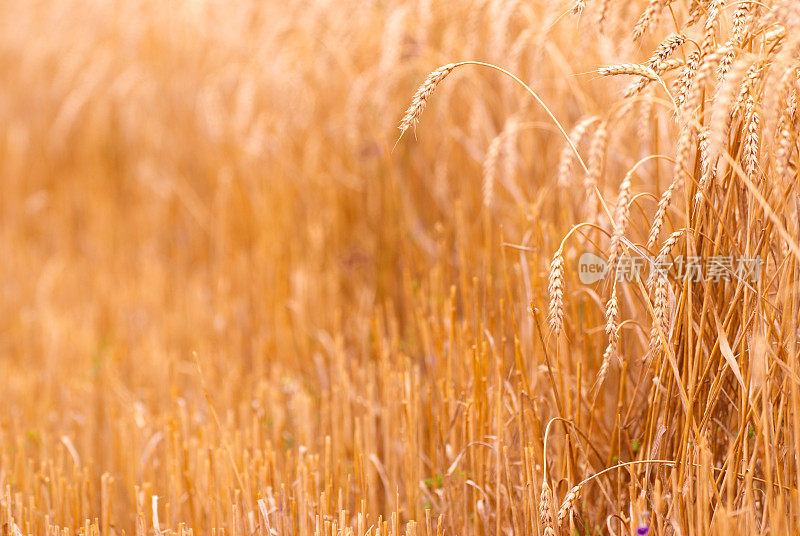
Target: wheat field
{"points": [[560, 299]]}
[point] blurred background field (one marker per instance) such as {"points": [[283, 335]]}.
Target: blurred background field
{"points": [[194, 185]]}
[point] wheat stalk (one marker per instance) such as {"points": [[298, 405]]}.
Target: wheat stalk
{"points": [[423, 93], [612, 332], [702, 76], [612, 314], [665, 50], [651, 12], [747, 87], [546, 509], [605, 365], [670, 242], [420, 99], [710, 29], [660, 314], [739, 22], [489, 170], [622, 212], [783, 151], [666, 247], [750, 151], [784, 141], [721, 112], [683, 83], [568, 505], [556, 290], [681, 165], [633, 69], [597, 152], [661, 68], [696, 11], [576, 135]]}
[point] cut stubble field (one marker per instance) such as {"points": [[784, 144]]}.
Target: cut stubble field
{"points": [[562, 299]]}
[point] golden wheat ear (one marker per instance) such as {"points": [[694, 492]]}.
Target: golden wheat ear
{"points": [[546, 508], [555, 288], [423, 93], [420, 99], [568, 506]]}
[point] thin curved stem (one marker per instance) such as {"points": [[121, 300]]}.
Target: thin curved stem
{"points": [[623, 464], [536, 97], [578, 226]]}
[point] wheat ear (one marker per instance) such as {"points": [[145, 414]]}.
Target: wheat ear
{"points": [[750, 151], [420, 98], [568, 505], [612, 331], [490, 170], [597, 153], [556, 289], [633, 69], [681, 167], [660, 314], [651, 12], [546, 509], [423, 93], [665, 50], [622, 212], [565, 158]]}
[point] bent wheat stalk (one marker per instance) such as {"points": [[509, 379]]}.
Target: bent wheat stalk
{"points": [[631, 69], [556, 283], [424, 92], [568, 505], [546, 508], [556, 290]]}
